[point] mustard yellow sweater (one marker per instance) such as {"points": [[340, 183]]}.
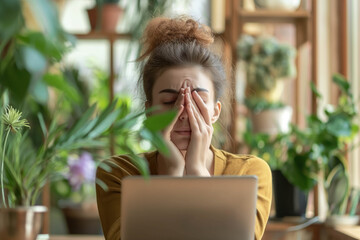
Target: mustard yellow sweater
{"points": [[224, 164]]}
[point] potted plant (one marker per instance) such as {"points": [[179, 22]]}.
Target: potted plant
{"points": [[277, 5], [104, 15], [323, 146], [25, 170], [267, 63], [289, 199], [75, 194]]}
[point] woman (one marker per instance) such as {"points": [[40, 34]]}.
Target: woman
{"points": [[180, 71]]}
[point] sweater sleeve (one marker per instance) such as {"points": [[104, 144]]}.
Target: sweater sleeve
{"points": [[109, 200], [258, 167]]}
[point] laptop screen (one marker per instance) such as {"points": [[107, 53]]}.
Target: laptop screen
{"points": [[165, 208]]}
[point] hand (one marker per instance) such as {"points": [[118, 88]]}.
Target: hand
{"points": [[201, 133], [174, 163]]}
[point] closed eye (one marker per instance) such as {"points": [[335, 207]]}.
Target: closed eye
{"points": [[169, 103]]}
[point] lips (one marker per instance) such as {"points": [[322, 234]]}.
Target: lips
{"points": [[183, 132]]}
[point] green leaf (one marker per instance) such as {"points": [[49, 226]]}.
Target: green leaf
{"points": [[84, 130], [11, 20], [17, 81], [101, 184], [40, 91], [82, 121], [141, 164], [341, 82], [52, 50], [57, 81], [156, 139], [314, 90], [159, 121], [337, 185], [104, 125], [104, 114], [339, 126], [42, 124], [46, 14], [34, 61]]}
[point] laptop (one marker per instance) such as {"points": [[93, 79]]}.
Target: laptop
{"points": [[188, 208]]}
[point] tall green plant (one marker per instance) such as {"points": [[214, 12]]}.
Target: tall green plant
{"points": [[26, 169], [324, 145], [12, 121]]}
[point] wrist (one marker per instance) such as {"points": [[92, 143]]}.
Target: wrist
{"points": [[166, 167], [197, 171]]}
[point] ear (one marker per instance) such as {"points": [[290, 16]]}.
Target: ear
{"points": [[217, 110]]}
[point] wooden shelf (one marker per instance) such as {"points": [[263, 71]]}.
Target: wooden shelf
{"points": [[273, 16], [102, 35]]}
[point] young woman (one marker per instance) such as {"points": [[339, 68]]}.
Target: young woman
{"points": [[180, 71]]}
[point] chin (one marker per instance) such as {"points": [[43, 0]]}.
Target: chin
{"points": [[181, 144]]}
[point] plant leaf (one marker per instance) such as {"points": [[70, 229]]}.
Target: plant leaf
{"points": [[159, 121], [314, 90]]}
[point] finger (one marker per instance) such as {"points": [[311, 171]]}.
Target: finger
{"points": [[202, 107], [192, 120], [195, 108], [198, 117], [180, 100], [179, 106]]}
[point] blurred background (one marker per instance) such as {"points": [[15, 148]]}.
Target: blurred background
{"points": [[293, 68]]}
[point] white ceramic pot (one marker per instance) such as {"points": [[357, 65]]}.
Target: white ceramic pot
{"points": [[272, 121], [289, 5], [342, 220]]}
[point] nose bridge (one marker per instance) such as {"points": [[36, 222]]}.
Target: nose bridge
{"points": [[186, 83]]}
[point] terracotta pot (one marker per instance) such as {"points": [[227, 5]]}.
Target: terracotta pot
{"points": [[110, 15], [21, 223]]}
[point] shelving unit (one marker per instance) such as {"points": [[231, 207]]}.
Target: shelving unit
{"points": [[303, 20], [111, 37]]}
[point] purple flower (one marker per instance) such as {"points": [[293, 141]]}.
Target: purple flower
{"points": [[81, 170]]}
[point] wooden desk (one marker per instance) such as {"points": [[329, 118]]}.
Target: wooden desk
{"points": [[70, 237], [281, 230], [343, 233]]}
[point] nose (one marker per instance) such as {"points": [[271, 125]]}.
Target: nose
{"points": [[183, 116]]}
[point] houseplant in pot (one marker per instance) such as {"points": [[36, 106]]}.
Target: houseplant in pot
{"points": [[326, 143], [25, 169], [267, 65], [104, 15], [74, 192], [289, 199]]}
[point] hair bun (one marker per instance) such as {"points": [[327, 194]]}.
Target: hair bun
{"points": [[162, 30]]}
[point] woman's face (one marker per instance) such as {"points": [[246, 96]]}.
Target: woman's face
{"points": [[166, 91]]}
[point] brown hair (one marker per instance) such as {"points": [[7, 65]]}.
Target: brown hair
{"points": [[179, 42]]}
